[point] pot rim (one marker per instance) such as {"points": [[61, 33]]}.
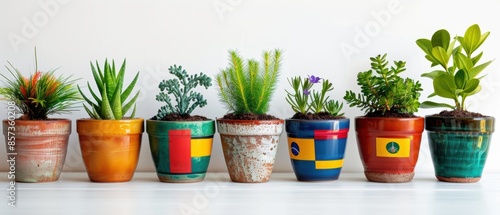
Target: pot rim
{"points": [[110, 120], [246, 121], [316, 120], [390, 118], [460, 118]]}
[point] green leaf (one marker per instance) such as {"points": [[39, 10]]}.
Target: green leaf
{"points": [[472, 38], [433, 74], [460, 79], [129, 89], [471, 85], [432, 95], [476, 59], [425, 45], [463, 62], [441, 56], [128, 105], [429, 104], [106, 111], [444, 86], [478, 69], [441, 38], [483, 38], [97, 76]]}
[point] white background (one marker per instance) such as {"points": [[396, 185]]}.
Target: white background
{"points": [[152, 35]]}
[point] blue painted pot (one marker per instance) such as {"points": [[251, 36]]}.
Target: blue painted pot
{"points": [[317, 147]]}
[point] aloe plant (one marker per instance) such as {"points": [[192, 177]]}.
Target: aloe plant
{"points": [[459, 79], [247, 87], [111, 102]]}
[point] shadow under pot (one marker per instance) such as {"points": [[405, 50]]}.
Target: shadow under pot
{"points": [[459, 146]]}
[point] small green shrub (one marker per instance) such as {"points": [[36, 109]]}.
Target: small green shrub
{"points": [[382, 90]]}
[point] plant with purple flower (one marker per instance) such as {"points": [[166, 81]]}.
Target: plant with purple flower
{"points": [[304, 100]]}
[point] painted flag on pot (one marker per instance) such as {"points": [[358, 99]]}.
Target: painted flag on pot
{"points": [[393, 147]]}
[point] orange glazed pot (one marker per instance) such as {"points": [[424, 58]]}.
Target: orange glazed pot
{"points": [[110, 148], [389, 147]]}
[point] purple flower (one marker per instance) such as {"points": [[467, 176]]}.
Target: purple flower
{"points": [[306, 92], [313, 79]]}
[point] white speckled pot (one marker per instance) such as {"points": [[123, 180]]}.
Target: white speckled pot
{"points": [[249, 148]]}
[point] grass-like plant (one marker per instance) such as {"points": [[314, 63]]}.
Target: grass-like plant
{"points": [[41, 94], [247, 87], [460, 78], [111, 101], [383, 90], [183, 95], [304, 100]]}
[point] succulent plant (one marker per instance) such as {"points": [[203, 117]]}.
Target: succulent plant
{"points": [[111, 101], [183, 94], [304, 100]]}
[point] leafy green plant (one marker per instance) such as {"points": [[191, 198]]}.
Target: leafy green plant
{"points": [[385, 91], [303, 99], [39, 95], [183, 95], [459, 79], [246, 87], [111, 102]]}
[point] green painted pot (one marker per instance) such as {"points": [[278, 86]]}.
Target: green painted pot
{"points": [[459, 146], [181, 150]]}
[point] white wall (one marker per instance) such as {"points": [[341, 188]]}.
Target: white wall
{"points": [[196, 34]]}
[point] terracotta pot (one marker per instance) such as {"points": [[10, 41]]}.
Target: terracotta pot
{"points": [[110, 148], [41, 147], [317, 147], [249, 148], [459, 146], [181, 150], [389, 147]]}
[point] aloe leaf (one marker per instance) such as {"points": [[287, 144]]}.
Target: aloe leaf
{"points": [[97, 77], [89, 112], [133, 113], [109, 80], [85, 97], [106, 111], [127, 106], [129, 89]]}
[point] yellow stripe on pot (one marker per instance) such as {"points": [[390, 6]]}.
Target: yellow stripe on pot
{"points": [[393, 147], [329, 164], [201, 147]]}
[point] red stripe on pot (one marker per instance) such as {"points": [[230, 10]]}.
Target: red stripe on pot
{"points": [[330, 134], [180, 151]]}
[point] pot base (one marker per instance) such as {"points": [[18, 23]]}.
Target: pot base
{"points": [[458, 180], [389, 177], [181, 178]]}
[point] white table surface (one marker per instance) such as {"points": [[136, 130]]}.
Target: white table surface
{"points": [[351, 194]]}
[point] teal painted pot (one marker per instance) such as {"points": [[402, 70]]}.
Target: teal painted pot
{"points": [[181, 150], [459, 146]]}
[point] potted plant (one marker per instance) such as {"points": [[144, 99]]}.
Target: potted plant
{"points": [[37, 143], [181, 144], [389, 134], [459, 140], [248, 135], [109, 141], [317, 133]]}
